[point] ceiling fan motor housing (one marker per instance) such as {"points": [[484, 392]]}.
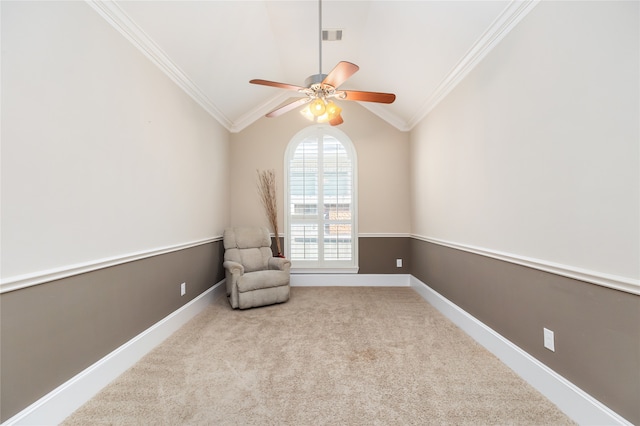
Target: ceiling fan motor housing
{"points": [[314, 79]]}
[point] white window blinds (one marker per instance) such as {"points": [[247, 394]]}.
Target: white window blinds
{"points": [[321, 201]]}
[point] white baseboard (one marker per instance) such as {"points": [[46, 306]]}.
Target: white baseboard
{"points": [[573, 401], [349, 280], [58, 404], [54, 407]]}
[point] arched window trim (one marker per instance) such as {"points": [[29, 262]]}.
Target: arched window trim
{"points": [[326, 267]]}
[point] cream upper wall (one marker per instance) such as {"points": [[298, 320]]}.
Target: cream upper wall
{"points": [[102, 154], [383, 175], [536, 152]]}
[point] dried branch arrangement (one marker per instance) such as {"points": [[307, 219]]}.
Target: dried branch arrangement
{"points": [[267, 191]]}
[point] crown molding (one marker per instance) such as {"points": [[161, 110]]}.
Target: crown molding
{"points": [[386, 115], [258, 112], [515, 11], [119, 20]]}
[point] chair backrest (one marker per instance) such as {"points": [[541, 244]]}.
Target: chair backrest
{"points": [[249, 246]]}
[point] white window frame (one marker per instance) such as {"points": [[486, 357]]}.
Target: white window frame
{"points": [[322, 266]]}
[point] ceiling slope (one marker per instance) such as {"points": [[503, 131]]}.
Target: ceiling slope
{"points": [[419, 50]]}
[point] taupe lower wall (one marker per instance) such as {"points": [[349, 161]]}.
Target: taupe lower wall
{"points": [[377, 255], [597, 329], [51, 332]]}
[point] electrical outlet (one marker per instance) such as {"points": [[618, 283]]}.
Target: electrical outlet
{"points": [[549, 340], [398, 263], [183, 289]]}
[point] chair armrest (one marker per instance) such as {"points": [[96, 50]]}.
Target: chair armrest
{"points": [[233, 267], [279, 263]]}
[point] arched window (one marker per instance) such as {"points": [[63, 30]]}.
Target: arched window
{"points": [[320, 190]]}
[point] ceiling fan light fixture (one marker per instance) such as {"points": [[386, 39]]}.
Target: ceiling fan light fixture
{"points": [[306, 113], [317, 107], [331, 111]]}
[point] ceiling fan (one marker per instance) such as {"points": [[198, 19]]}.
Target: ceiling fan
{"points": [[321, 88]]}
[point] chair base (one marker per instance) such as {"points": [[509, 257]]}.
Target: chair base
{"points": [[263, 297]]}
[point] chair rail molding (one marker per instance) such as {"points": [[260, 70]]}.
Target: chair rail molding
{"points": [[27, 280], [616, 282]]}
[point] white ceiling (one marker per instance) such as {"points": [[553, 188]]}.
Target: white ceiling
{"points": [[415, 49]]}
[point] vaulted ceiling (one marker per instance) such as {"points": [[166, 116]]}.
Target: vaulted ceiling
{"points": [[418, 50]]}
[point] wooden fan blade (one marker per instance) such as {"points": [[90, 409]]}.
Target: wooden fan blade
{"points": [[383, 98], [336, 121], [288, 107], [276, 84], [340, 73]]}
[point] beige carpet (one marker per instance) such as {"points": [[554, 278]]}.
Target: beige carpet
{"points": [[329, 356]]}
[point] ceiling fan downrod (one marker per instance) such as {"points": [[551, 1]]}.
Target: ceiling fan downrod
{"points": [[320, 37], [317, 78]]}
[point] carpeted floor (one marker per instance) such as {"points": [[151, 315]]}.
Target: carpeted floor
{"points": [[329, 356]]}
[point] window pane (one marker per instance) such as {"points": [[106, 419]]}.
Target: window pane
{"points": [[304, 241], [337, 170], [337, 245], [303, 179], [305, 209]]}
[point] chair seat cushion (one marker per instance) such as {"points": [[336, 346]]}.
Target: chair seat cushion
{"points": [[262, 279]]}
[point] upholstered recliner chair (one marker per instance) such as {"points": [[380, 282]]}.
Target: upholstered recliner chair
{"points": [[253, 276]]}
